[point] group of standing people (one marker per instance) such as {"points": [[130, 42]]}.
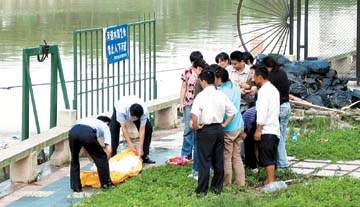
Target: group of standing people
{"points": [[234, 110]]}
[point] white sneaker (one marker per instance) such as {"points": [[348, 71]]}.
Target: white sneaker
{"points": [[193, 175], [255, 171]]}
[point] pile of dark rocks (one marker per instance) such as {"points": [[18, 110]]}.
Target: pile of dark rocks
{"points": [[315, 82]]}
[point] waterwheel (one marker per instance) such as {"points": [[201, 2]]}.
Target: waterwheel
{"points": [[264, 26]]}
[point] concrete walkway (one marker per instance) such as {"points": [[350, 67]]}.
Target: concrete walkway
{"points": [[53, 188], [325, 168]]}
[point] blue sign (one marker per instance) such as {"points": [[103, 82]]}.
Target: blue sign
{"points": [[116, 43]]}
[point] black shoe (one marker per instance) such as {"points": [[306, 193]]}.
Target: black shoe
{"points": [[148, 161], [189, 157], [216, 191], [77, 190], [108, 186], [200, 195]]}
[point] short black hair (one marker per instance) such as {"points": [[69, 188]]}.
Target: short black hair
{"points": [[213, 68], [261, 70], [200, 63], [270, 62], [248, 56], [222, 57], [195, 55], [136, 110], [103, 118], [237, 55], [222, 74], [207, 76]]}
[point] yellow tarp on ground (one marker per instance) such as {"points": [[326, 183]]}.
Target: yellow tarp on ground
{"points": [[91, 178]]}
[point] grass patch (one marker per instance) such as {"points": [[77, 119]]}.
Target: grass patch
{"points": [[325, 139], [334, 191], [169, 186]]}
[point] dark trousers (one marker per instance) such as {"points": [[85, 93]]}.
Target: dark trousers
{"points": [[250, 150], [85, 136], [210, 153], [115, 133]]}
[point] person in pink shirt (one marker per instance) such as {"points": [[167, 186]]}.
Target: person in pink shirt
{"points": [[187, 95]]}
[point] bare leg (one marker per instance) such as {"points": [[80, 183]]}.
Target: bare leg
{"points": [[270, 174]]}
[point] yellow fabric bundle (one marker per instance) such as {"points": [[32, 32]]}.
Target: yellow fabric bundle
{"points": [[91, 178]]}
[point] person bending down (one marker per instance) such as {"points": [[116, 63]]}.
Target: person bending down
{"points": [[131, 109], [89, 133]]}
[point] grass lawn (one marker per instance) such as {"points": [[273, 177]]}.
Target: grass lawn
{"points": [[325, 139], [169, 186], [320, 138]]}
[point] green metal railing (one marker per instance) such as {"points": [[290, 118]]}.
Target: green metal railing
{"points": [[98, 85], [27, 88]]}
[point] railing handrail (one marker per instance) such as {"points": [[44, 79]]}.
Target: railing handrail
{"points": [[100, 28], [34, 143]]}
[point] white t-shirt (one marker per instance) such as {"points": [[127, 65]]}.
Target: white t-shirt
{"points": [[268, 109], [210, 106]]}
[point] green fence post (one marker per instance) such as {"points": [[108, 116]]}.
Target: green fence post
{"points": [[108, 86], [154, 60], [33, 102], [62, 80], [53, 91], [149, 29], [25, 98], [92, 73], [129, 62], [75, 69], [144, 60], [97, 72], [80, 76], [134, 58], [86, 76], [139, 60], [102, 72], [113, 84]]}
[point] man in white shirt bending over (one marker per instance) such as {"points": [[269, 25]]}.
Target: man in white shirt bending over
{"points": [[207, 116], [90, 133], [268, 126], [132, 109]]}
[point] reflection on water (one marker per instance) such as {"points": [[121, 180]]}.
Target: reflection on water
{"points": [[182, 26]]}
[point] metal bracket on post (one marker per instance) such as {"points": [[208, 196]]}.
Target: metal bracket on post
{"points": [[56, 67]]}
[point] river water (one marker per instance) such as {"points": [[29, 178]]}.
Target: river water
{"points": [[182, 26]]}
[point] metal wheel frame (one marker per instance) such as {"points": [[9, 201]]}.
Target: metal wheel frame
{"points": [[281, 25]]}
